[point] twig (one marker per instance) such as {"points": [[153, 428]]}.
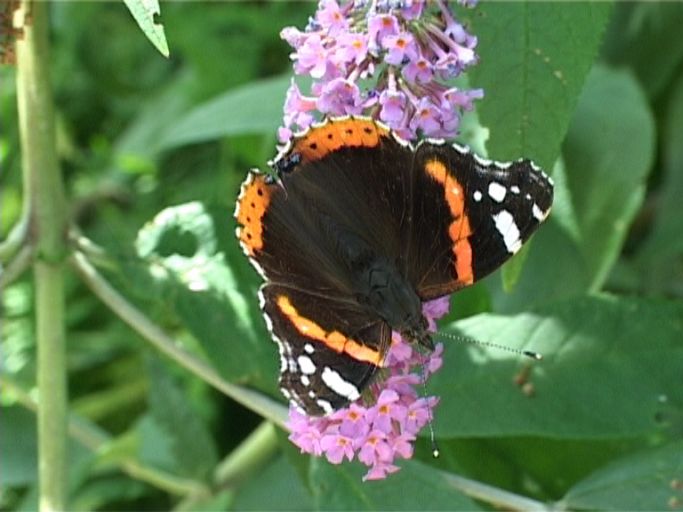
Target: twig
{"points": [[16, 267], [499, 498], [16, 238], [253, 400]]}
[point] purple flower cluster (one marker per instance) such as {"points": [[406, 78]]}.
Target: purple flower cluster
{"points": [[386, 427], [409, 50]]}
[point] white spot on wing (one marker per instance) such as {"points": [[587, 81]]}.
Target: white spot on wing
{"points": [[505, 224], [477, 195], [336, 383], [325, 406], [306, 365], [461, 149], [497, 191], [283, 359], [305, 380], [308, 348], [514, 189], [539, 214], [482, 161]]}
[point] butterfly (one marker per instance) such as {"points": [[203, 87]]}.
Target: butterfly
{"points": [[355, 229]]}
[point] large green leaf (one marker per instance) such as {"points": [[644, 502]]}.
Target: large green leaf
{"points": [[195, 261], [649, 480], [534, 58], [252, 108], [608, 363], [608, 154], [415, 487], [285, 490], [523, 462]]}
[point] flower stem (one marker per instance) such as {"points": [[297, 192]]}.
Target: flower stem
{"points": [[47, 222]]}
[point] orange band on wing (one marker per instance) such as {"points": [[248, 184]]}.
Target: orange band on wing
{"points": [[459, 230], [333, 340], [352, 132], [253, 203]]}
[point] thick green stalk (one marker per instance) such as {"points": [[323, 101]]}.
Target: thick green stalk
{"points": [[47, 228]]}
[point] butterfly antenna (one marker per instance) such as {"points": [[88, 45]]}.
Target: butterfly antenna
{"points": [[430, 419], [527, 353]]}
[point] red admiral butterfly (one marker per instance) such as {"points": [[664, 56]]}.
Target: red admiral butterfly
{"points": [[357, 229]]}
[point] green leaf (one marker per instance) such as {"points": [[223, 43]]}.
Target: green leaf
{"points": [[252, 108], [415, 487], [285, 490], [534, 58], [144, 11], [649, 480], [192, 444], [599, 189], [594, 349], [609, 153], [96, 494], [522, 464], [194, 260], [153, 444]]}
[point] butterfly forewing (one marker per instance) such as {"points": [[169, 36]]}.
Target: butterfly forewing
{"points": [[469, 216]]}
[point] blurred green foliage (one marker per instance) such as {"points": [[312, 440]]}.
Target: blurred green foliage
{"points": [[597, 425]]}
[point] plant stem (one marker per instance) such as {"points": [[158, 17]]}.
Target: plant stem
{"points": [[254, 400], [47, 226], [250, 456]]}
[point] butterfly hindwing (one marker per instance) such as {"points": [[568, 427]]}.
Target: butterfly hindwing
{"points": [[329, 349]]}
